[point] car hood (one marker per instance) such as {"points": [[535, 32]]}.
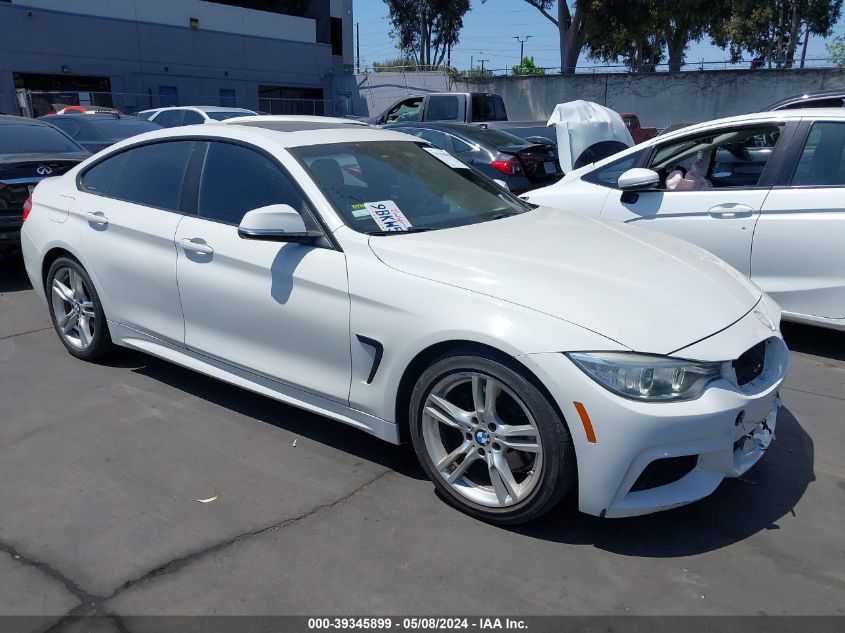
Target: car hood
{"points": [[645, 290]]}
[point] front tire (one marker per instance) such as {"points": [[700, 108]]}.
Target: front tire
{"points": [[489, 439], [76, 311]]}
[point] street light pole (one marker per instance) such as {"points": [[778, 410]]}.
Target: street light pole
{"points": [[521, 46]]}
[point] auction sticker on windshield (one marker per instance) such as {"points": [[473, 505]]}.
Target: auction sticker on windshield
{"points": [[388, 216]]}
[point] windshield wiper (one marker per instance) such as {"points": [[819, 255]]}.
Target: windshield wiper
{"points": [[413, 229]]}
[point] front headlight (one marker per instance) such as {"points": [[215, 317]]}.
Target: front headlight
{"points": [[645, 377]]}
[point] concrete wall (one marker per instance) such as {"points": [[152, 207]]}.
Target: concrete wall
{"points": [[372, 93], [659, 99]]}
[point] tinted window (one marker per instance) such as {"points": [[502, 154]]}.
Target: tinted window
{"points": [[497, 138], [34, 139], [442, 109], [488, 108], [192, 118], [150, 175], [101, 177], [608, 175], [169, 118], [459, 145], [228, 114], [118, 128], [69, 127], [822, 161], [236, 179], [436, 138], [830, 102]]}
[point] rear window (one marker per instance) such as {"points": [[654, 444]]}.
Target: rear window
{"points": [[488, 108], [498, 138], [121, 128], [222, 116], [35, 139]]}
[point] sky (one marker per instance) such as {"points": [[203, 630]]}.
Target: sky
{"points": [[488, 33]]}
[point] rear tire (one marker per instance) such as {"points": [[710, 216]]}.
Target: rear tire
{"points": [[489, 439], [76, 311]]}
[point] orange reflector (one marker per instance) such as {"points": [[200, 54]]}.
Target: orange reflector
{"points": [[585, 420]]}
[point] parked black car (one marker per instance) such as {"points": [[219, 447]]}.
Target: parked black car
{"points": [[830, 98], [29, 152], [97, 131], [521, 164]]}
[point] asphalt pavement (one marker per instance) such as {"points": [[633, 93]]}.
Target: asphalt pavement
{"points": [[136, 487]]}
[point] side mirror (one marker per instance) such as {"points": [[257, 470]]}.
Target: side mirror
{"points": [[276, 223], [639, 179]]}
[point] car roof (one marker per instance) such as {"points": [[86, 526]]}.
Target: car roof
{"points": [[203, 108], [814, 94], [281, 139], [293, 122]]}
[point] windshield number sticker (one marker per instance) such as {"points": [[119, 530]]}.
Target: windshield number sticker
{"points": [[388, 216], [445, 157]]}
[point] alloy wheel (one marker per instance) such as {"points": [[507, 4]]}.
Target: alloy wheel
{"points": [[482, 439], [75, 316]]}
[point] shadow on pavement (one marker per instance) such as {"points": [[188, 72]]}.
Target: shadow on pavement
{"points": [[13, 275], [315, 427], [816, 341]]}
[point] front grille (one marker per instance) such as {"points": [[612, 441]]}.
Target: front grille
{"points": [[750, 364], [664, 471]]}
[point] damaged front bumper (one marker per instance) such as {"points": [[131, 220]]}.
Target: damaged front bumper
{"points": [[642, 457]]}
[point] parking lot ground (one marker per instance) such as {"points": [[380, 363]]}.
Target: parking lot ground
{"points": [[103, 466]]}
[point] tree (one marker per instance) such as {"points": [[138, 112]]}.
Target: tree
{"points": [[836, 50], [427, 28], [570, 26], [770, 30], [528, 67], [403, 64], [641, 33]]}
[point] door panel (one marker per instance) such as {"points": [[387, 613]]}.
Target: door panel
{"points": [[712, 187], [721, 222], [281, 310], [130, 252], [798, 254]]}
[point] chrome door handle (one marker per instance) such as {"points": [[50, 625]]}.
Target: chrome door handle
{"points": [[730, 210], [98, 218], [196, 245]]}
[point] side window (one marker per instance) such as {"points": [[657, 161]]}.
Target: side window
{"points": [[236, 179], [822, 161], [608, 175], [442, 108], [408, 110], [732, 157], [460, 146], [192, 118], [100, 178], [151, 175], [170, 118]]}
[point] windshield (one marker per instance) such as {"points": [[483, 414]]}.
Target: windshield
{"points": [[402, 176], [228, 114], [121, 128], [35, 139]]}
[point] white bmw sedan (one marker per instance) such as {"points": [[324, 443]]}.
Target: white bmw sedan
{"points": [[764, 192], [369, 277]]}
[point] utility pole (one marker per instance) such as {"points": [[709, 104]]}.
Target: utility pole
{"points": [[482, 65], [804, 47], [521, 47], [358, 46]]}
